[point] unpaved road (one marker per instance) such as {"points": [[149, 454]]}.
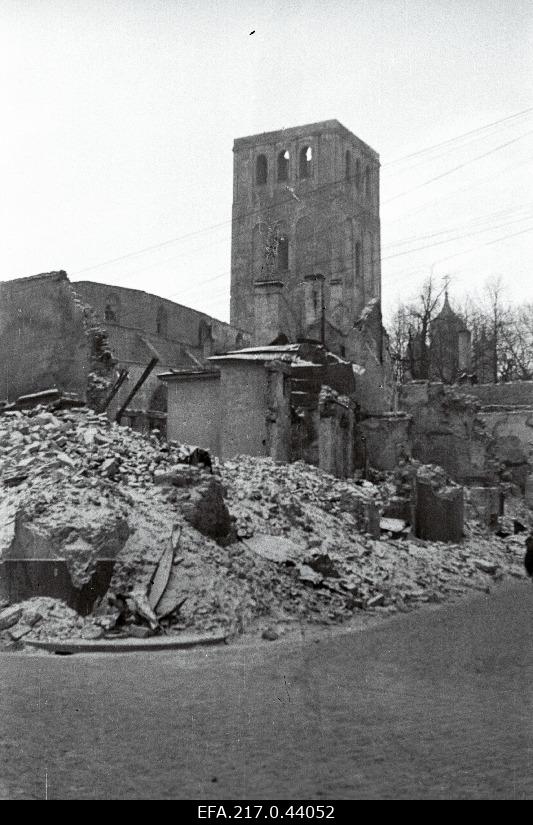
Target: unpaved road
{"points": [[434, 704]]}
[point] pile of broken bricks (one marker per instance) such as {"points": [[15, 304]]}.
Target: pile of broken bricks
{"points": [[261, 545]]}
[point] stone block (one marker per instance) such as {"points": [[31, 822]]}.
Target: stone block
{"points": [[439, 509]]}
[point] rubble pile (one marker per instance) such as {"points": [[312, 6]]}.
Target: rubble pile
{"points": [[297, 498], [253, 544]]}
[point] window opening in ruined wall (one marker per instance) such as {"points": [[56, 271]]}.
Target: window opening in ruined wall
{"points": [[283, 253], [348, 164], [358, 174], [306, 162], [261, 169], [111, 311], [283, 165], [367, 182], [162, 321]]}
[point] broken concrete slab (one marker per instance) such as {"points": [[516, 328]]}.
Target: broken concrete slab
{"points": [[307, 575], [395, 526], [274, 548], [10, 616], [486, 566], [19, 631]]}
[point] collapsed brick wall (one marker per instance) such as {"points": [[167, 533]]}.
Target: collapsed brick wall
{"points": [[513, 393], [474, 444], [511, 432], [335, 433], [101, 362], [448, 432], [43, 337], [382, 441], [368, 348]]}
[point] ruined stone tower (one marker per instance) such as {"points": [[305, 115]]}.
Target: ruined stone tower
{"points": [[305, 254]]}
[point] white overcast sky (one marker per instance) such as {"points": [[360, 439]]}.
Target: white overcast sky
{"points": [[118, 119]]}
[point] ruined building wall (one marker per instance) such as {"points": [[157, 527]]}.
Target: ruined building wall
{"points": [[475, 444], [375, 387], [194, 410], [254, 410], [510, 393], [324, 216], [447, 431], [43, 340], [171, 325], [382, 441], [182, 337]]}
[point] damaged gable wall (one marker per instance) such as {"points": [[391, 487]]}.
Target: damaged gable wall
{"points": [[43, 340], [367, 347], [475, 443]]}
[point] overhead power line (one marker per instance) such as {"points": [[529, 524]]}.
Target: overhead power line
{"points": [[459, 166], [213, 227], [459, 137]]}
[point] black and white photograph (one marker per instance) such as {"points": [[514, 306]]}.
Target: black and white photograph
{"points": [[266, 403]]}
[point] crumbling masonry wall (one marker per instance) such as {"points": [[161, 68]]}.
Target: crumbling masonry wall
{"points": [[382, 441], [335, 441], [43, 341], [475, 444], [447, 431], [512, 393]]}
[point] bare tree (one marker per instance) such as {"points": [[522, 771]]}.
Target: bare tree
{"points": [[421, 313]]}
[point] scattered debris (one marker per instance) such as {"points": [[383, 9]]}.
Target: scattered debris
{"points": [[253, 541], [395, 526], [10, 616], [274, 548]]}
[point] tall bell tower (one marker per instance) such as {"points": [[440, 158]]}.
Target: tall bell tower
{"points": [[305, 256]]}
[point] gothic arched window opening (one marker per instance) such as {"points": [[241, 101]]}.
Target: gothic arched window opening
{"points": [[161, 321], [261, 169], [306, 162], [283, 165], [112, 307], [348, 165], [367, 181], [283, 253]]}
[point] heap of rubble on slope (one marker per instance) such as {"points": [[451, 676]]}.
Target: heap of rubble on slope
{"points": [[303, 546]]}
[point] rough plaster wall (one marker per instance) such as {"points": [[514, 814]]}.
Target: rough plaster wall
{"points": [[194, 412], [42, 337], [381, 441], [243, 409]]}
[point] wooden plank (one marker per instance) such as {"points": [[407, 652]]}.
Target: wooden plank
{"points": [[163, 570]]}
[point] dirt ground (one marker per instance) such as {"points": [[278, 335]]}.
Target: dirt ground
{"points": [[432, 704]]}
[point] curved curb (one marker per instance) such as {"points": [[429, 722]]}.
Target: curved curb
{"points": [[127, 645]]}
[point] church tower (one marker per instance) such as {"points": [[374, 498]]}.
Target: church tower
{"points": [[305, 257]]}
